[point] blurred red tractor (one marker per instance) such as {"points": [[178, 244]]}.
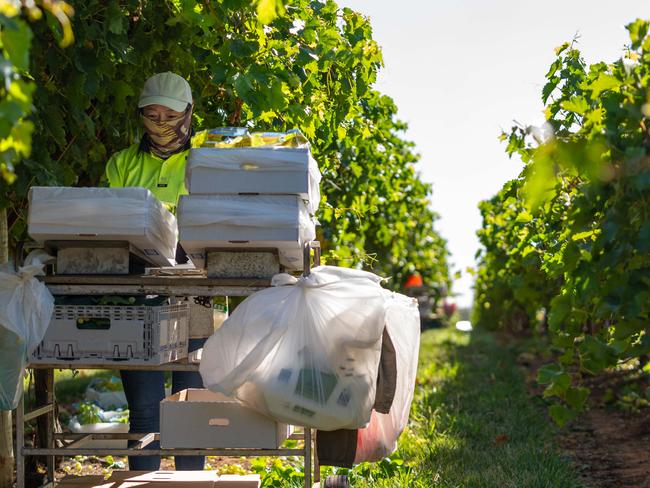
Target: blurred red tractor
{"points": [[428, 298]]}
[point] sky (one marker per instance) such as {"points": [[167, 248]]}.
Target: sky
{"points": [[460, 71]]}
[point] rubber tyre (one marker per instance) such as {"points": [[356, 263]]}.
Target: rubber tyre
{"points": [[337, 481]]}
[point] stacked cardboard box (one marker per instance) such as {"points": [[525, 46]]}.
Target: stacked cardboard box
{"points": [[104, 214], [162, 479], [250, 197]]}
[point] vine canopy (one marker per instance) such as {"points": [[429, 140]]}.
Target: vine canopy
{"points": [[66, 106]]}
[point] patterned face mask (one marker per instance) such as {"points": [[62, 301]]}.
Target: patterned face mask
{"points": [[169, 137]]}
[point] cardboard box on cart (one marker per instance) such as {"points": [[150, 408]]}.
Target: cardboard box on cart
{"points": [[197, 418], [267, 170], [144, 479], [280, 222], [238, 481], [162, 479], [99, 215]]}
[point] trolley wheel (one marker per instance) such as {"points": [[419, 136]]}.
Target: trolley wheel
{"points": [[337, 481]]}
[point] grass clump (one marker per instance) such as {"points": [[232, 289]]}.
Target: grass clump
{"points": [[472, 422]]}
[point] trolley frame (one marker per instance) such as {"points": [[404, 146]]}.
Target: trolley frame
{"points": [[139, 285]]}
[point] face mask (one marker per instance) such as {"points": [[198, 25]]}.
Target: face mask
{"points": [[169, 137]]}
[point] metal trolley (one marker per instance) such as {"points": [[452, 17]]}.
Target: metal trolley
{"points": [[75, 444]]}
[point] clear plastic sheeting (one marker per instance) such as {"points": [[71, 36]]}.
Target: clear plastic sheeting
{"points": [[258, 211], [240, 137], [255, 169], [379, 438], [252, 159], [281, 222], [131, 214], [305, 352], [26, 307]]}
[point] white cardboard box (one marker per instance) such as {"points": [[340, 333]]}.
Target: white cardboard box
{"points": [[238, 481], [281, 222], [104, 214], [163, 479], [196, 418], [267, 170]]}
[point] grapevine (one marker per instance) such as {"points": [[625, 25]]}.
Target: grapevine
{"points": [[566, 244]]}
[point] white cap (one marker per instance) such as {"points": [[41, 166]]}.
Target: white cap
{"points": [[167, 89]]}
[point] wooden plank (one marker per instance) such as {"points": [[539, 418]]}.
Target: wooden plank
{"points": [[144, 441], [119, 365], [48, 423], [172, 290], [6, 449], [315, 455], [20, 443], [307, 456], [153, 285], [96, 451], [69, 436], [38, 412], [81, 441], [152, 280], [6, 443]]}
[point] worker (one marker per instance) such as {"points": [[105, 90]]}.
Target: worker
{"points": [[157, 162]]}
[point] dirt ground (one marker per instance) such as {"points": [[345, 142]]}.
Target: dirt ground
{"points": [[608, 447], [96, 466], [85, 466]]}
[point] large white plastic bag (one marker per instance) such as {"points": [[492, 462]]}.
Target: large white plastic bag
{"points": [[305, 354], [26, 307], [379, 438]]}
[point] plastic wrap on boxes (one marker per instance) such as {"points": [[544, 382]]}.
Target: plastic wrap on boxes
{"points": [[379, 439], [268, 170], [240, 137], [306, 353], [104, 214], [227, 221]]}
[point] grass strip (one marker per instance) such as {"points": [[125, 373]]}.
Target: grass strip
{"points": [[472, 423]]}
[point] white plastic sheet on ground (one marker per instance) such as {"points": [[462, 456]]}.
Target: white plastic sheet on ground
{"points": [[379, 438], [306, 353], [26, 307], [107, 393], [108, 212]]}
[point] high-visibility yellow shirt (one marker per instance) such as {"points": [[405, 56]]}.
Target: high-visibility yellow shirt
{"points": [[165, 178]]}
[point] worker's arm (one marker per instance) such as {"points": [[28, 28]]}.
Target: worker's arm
{"points": [[112, 176]]}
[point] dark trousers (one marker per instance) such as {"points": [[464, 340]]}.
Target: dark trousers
{"points": [[144, 391]]}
